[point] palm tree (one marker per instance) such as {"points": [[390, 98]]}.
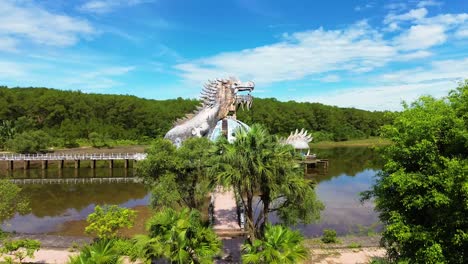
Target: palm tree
{"points": [[100, 252], [179, 237], [257, 163], [280, 245]]}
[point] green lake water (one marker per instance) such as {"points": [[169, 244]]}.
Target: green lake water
{"points": [[61, 208]]}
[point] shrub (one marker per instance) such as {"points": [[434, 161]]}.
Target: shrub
{"points": [[106, 221], [19, 249], [329, 236]]}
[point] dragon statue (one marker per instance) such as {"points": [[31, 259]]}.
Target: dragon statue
{"points": [[220, 99]]}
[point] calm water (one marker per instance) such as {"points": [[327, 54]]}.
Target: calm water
{"points": [[62, 208]]}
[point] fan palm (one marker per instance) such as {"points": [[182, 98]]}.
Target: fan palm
{"points": [[279, 245], [179, 237], [100, 252]]}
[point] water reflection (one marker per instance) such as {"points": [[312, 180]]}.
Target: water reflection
{"points": [[62, 208]]}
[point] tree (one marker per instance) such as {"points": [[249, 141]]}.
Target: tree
{"points": [[106, 221], [7, 132], [11, 200], [256, 163], [29, 142], [422, 193], [280, 245], [179, 237], [182, 170]]}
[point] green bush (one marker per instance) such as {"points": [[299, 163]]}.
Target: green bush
{"points": [[29, 142], [329, 236], [106, 221], [19, 249]]}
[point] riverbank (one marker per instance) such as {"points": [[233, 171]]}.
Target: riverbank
{"points": [[57, 249], [368, 142]]}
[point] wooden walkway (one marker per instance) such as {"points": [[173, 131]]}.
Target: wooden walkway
{"points": [[58, 156], [76, 180], [226, 220], [26, 159]]}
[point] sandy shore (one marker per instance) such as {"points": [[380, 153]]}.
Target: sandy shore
{"points": [[319, 256]]}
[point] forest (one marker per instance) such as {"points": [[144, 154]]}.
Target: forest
{"points": [[69, 118]]}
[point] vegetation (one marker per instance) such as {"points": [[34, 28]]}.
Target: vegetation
{"points": [[99, 252], [11, 201], [179, 237], [18, 249], [72, 117], [182, 170], [279, 245], [106, 221], [422, 193], [329, 236], [257, 165]]}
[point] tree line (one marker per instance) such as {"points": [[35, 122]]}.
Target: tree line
{"points": [[69, 117]]}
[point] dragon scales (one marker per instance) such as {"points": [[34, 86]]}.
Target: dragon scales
{"points": [[220, 99]]}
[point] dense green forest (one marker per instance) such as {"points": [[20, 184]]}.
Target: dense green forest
{"points": [[68, 117]]}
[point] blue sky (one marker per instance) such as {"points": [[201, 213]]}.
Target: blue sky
{"points": [[363, 54]]}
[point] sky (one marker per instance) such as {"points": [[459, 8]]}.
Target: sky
{"points": [[364, 54]]}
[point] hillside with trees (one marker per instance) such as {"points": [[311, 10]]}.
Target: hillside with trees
{"points": [[50, 117]]}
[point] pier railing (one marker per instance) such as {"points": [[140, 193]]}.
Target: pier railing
{"points": [[76, 180], [58, 156]]}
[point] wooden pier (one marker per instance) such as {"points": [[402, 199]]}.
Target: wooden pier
{"points": [[45, 159], [314, 163], [76, 180]]}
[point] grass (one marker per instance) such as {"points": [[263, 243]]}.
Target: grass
{"points": [[368, 142]]}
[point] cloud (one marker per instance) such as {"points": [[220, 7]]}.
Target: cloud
{"points": [[379, 97], [357, 48], [100, 78], [331, 78], [462, 32], [10, 69], [421, 37], [8, 44], [414, 14], [429, 3], [363, 7], [32, 23], [107, 6]]}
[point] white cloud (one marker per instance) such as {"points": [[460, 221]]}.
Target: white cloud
{"points": [[439, 70], [26, 21], [420, 54], [331, 78], [10, 70], [429, 3], [462, 32], [8, 44], [396, 6], [106, 6], [421, 37], [381, 97], [100, 78], [363, 7], [357, 48], [412, 15], [392, 88]]}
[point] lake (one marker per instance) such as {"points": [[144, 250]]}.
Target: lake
{"points": [[61, 208]]}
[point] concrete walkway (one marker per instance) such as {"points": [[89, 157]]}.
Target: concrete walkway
{"points": [[225, 210]]}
